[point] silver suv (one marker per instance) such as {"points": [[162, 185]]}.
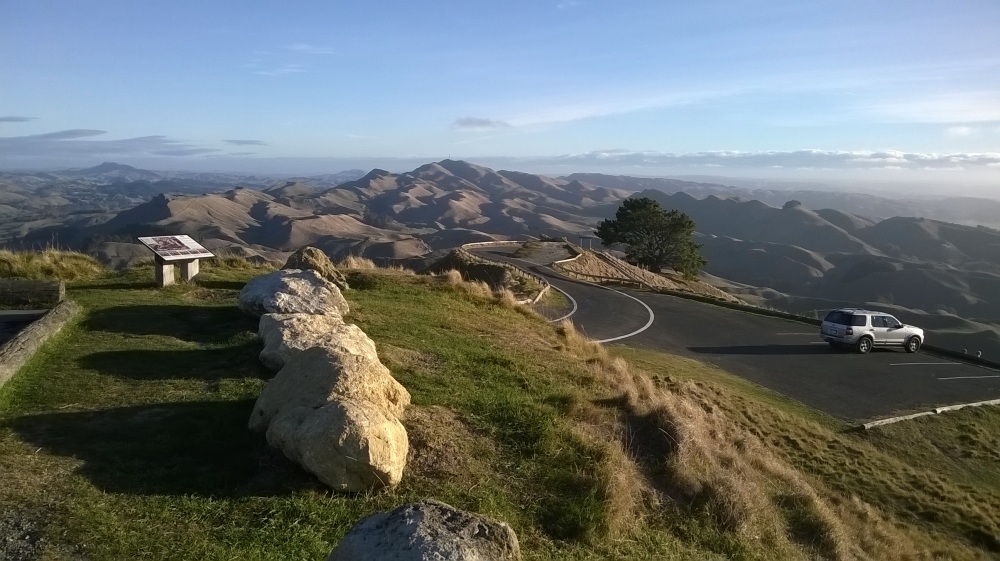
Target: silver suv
{"points": [[864, 329]]}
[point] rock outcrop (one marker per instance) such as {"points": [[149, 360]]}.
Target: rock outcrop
{"points": [[292, 291], [333, 407], [312, 258], [428, 530]]}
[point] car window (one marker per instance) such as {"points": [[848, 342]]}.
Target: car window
{"points": [[836, 316], [859, 321], [892, 322], [878, 321]]}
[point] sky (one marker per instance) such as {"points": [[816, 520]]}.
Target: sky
{"points": [[906, 92]]}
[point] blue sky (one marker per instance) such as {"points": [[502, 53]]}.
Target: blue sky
{"points": [[843, 90]]}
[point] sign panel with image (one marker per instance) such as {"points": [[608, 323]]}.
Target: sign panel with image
{"points": [[176, 248]]}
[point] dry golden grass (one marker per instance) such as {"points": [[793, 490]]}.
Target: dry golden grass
{"points": [[452, 276], [687, 443], [49, 264], [506, 298], [357, 263]]}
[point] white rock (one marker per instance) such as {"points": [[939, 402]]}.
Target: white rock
{"points": [[286, 334], [292, 291], [428, 530], [316, 376], [349, 445]]}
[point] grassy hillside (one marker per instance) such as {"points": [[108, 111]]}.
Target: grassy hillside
{"points": [[126, 438]]}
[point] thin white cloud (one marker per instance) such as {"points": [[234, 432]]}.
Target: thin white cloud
{"points": [[601, 104], [13, 119], [965, 107], [801, 159], [283, 70], [307, 49], [478, 124], [246, 142], [71, 144], [959, 132]]}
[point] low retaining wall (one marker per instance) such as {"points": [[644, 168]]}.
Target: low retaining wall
{"points": [[16, 352], [21, 292]]}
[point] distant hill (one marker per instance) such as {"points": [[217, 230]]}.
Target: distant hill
{"points": [[380, 214], [961, 210], [800, 258]]}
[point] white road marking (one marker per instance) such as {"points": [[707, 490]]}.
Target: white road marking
{"points": [[924, 364], [968, 377], [571, 299], [818, 343], [637, 331]]}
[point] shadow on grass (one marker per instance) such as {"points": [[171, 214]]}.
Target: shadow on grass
{"points": [[113, 286], [196, 448], [195, 323], [220, 284], [235, 362]]}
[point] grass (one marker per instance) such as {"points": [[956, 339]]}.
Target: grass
{"points": [[126, 436], [49, 264]]}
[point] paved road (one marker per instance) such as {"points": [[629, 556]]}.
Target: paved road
{"points": [[783, 355]]}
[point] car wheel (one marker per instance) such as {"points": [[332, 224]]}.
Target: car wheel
{"points": [[864, 345], [913, 344]]}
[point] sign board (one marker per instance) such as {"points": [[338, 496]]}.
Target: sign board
{"points": [[176, 248]]}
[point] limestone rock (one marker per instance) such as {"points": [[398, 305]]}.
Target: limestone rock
{"points": [[285, 334], [349, 445], [316, 376], [428, 530], [292, 291], [312, 258]]}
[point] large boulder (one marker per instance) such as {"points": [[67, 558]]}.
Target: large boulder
{"points": [[312, 258], [286, 334], [349, 445], [292, 291], [316, 376], [428, 530]]}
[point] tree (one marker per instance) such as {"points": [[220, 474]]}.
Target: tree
{"points": [[653, 237]]}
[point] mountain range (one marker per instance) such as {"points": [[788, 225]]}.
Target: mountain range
{"points": [[778, 248]]}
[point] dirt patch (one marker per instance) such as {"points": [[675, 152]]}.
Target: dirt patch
{"points": [[20, 535], [441, 444]]}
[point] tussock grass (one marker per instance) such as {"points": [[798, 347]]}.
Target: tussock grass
{"points": [[357, 263], [49, 264]]}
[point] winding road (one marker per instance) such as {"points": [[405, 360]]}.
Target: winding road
{"points": [[783, 355]]}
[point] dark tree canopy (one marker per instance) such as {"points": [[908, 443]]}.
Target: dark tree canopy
{"points": [[653, 237]]}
